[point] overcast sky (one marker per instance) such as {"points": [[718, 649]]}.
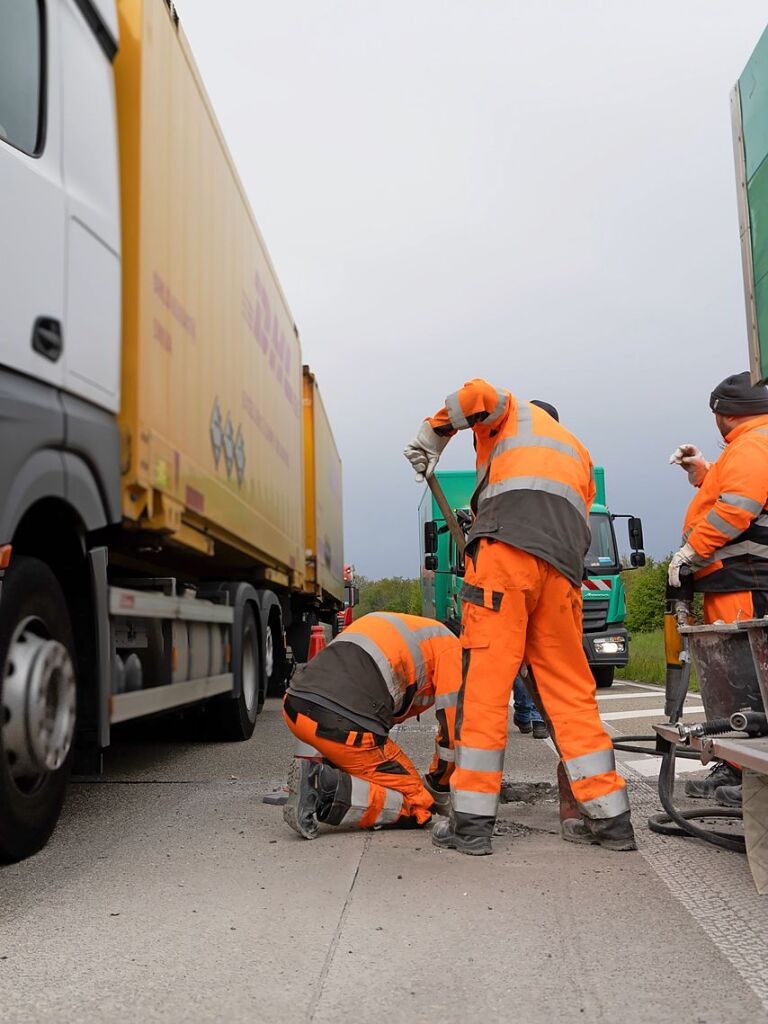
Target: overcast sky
{"points": [[541, 193]]}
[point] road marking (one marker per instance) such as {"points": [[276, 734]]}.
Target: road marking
{"points": [[613, 716], [637, 696], [649, 767], [642, 686]]}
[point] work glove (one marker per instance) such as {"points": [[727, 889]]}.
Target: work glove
{"points": [[686, 556], [424, 451], [692, 461]]}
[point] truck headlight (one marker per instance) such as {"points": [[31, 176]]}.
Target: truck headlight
{"points": [[611, 645]]}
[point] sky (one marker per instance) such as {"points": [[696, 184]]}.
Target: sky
{"points": [[538, 193]]}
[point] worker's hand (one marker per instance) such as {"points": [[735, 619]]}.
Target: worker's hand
{"points": [[692, 461], [686, 556], [424, 451]]}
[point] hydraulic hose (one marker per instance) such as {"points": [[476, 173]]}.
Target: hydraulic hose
{"points": [[628, 744], [661, 823]]}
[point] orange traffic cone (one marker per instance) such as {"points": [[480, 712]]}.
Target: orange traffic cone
{"points": [[316, 642]]}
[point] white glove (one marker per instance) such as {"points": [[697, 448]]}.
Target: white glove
{"points": [[692, 461], [685, 556], [425, 450]]}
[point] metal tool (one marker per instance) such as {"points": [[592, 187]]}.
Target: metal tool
{"points": [[451, 521]]}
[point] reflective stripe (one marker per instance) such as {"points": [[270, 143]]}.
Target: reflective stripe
{"points": [[687, 533], [466, 801], [537, 483], [744, 547], [302, 749], [411, 642], [723, 525], [501, 402], [393, 805], [426, 632], [445, 753], [447, 700], [536, 441], [475, 759], [761, 521], [606, 806], [456, 416], [524, 421], [586, 765], [395, 684], [741, 501], [358, 801]]}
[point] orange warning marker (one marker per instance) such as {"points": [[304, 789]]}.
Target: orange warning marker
{"points": [[316, 642]]}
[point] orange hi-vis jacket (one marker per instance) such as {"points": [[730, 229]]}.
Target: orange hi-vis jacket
{"points": [[727, 522], [535, 482], [404, 659]]}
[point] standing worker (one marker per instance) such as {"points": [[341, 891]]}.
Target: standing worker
{"points": [[341, 706], [725, 536], [521, 601]]}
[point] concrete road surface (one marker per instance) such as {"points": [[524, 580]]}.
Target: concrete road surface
{"points": [[171, 892]]}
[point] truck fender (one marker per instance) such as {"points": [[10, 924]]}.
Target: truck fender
{"points": [[83, 493], [43, 475]]}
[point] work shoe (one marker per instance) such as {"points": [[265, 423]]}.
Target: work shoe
{"points": [[611, 833], [301, 806], [540, 731], [721, 774], [728, 796], [444, 836], [525, 727], [442, 798]]}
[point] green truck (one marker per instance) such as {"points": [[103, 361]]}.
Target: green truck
{"points": [[606, 641]]}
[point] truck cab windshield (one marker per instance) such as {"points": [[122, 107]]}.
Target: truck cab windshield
{"points": [[602, 554]]}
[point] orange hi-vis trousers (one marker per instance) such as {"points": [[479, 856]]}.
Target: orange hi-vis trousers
{"points": [[517, 608], [735, 606], [378, 784]]}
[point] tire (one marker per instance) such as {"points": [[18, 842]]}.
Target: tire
{"points": [[32, 604], [603, 676], [234, 719], [275, 661]]}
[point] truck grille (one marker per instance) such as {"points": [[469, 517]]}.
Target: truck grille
{"points": [[595, 615]]}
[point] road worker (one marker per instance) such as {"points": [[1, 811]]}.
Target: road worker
{"points": [[521, 602], [341, 706], [725, 536]]}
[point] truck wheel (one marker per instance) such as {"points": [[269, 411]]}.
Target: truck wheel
{"points": [[234, 719], [603, 676], [38, 701], [275, 662]]}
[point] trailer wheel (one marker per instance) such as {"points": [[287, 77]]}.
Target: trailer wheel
{"points": [[38, 700], [275, 661], [603, 676], [234, 719]]}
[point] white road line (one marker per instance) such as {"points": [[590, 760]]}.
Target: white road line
{"points": [[638, 696], [612, 716], [641, 686], [649, 766]]}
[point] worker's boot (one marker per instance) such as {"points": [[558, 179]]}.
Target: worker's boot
{"points": [[611, 833], [721, 774], [441, 797], [445, 836], [300, 809], [540, 731], [525, 727], [728, 796]]}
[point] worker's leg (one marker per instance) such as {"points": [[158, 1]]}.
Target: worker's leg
{"points": [[730, 607], [447, 683], [567, 689], [500, 584], [370, 780]]}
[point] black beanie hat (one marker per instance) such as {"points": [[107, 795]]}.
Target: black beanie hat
{"points": [[736, 396], [547, 408]]}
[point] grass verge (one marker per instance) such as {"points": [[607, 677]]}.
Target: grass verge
{"points": [[647, 662]]}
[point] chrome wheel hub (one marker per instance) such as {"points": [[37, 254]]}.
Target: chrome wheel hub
{"points": [[39, 699]]}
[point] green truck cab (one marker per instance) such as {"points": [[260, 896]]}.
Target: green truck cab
{"points": [[606, 641]]}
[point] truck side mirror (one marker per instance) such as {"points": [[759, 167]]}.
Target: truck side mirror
{"points": [[637, 559], [635, 533], [430, 563], [430, 537], [352, 595]]}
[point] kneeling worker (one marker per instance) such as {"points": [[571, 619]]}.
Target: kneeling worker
{"points": [[382, 669]]}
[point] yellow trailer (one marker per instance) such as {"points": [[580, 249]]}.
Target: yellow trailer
{"points": [[211, 416]]}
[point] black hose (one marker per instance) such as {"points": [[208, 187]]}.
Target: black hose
{"points": [[661, 823], [626, 743]]}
